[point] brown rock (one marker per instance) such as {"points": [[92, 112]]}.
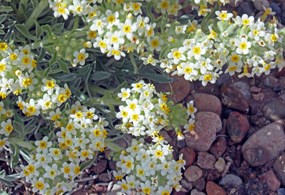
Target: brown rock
{"points": [[274, 110], [264, 145], [206, 160], [219, 147], [196, 192], [193, 173], [199, 184], [271, 180], [100, 166], [104, 177], [189, 155], [279, 167], [214, 189], [232, 97], [180, 88], [237, 126], [206, 126], [206, 102]]}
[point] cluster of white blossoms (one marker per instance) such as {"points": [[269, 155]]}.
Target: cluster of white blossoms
{"points": [[6, 126], [18, 75], [56, 163], [146, 111], [235, 44], [190, 126], [149, 169]]}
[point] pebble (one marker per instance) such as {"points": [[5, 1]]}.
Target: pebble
{"points": [[255, 89], [186, 184], [270, 81], [206, 160], [258, 96], [100, 166], [281, 191], [227, 167], [220, 165], [199, 184], [214, 189], [274, 110], [237, 126], [233, 98], [261, 4], [193, 173], [279, 167], [104, 177], [230, 180], [219, 147], [206, 102], [180, 192], [235, 3], [264, 145], [196, 192], [246, 8], [206, 126], [244, 88], [189, 155], [271, 180], [276, 8]]}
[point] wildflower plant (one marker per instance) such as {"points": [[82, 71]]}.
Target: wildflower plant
{"points": [[76, 75]]}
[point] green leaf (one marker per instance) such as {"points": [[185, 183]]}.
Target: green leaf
{"points": [[2, 18], [24, 31], [46, 28], [19, 128], [157, 78], [5, 9], [57, 28], [2, 32], [88, 163], [14, 155], [21, 143], [100, 75], [177, 116], [63, 66], [25, 154], [39, 30], [53, 59], [66, 77]]}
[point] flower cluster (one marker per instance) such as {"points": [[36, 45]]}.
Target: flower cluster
{"points": [[6, 125], [204, 6], [190, 127], [149, 169], [146, 111], [57, 162], [235, 44]]}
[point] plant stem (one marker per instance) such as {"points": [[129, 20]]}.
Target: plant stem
{"points": [[134, 63]]}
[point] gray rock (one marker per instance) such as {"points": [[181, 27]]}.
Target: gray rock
{"points": [[206, 102], [261, 4], [274, 110], [246, 8], [206, 160], [279, 168], [193, 173], [281, 191], [206, 126], [230, 180], [276, 8], [196, 192], [264, 145]]}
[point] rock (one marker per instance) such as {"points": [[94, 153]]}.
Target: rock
{"points": [[100, 166], [255, 89], [206, 160], [180, 87], [214, 189], [279, 167], [196, 192], [244, 88], [233, 98], [261, 4], [165, 135], [219, 147], [270, 81], [189, 155], [193, 173], [220, 165], [258, 96], [181, 143], [206, 102], [276, 8], [237, 126], [274, 110], [235, 3], [179, 193], [246, 8], [199, 184], [206, 126], [104, 177], [230, 180], [264, 145], [271, 180], [186, 184], [281, 191]]}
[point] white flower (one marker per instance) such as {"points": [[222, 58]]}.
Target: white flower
{"points": [[80, 57], [223, 15], [78, 7], [51, 171], [243, 46]]}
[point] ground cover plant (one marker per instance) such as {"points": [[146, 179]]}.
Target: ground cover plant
{"points": [[78, 75]]}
